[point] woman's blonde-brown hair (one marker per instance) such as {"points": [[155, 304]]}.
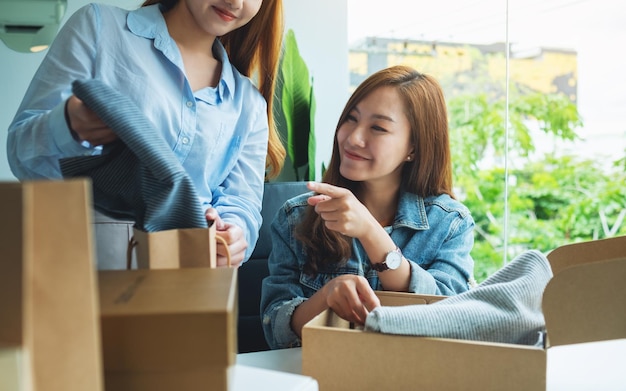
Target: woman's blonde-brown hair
{"points": [[254, 49], [430, 173]]}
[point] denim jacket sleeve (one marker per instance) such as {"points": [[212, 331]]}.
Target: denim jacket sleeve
{"points": [[282, 291], [439, 249]]}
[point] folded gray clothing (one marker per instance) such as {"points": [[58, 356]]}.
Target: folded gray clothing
{"points": [[506, 307], [138, 177]]}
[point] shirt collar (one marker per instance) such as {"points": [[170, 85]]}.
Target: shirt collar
{"points": [[226, 86], [148, 22], [227, 79]]}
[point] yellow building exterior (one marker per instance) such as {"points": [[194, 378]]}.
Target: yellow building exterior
{"points": [[464, 67]]}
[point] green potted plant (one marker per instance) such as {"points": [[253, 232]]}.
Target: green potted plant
{"points": [[294, 113]]}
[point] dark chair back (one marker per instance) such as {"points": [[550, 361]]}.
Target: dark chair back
{"points": [[251, 274]]}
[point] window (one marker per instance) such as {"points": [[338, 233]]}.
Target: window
{"points": [[551, 69]]}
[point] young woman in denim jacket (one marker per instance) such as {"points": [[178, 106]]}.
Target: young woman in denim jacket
{"points": [[384, 218]]}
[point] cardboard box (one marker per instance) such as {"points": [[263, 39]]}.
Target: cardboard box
{"points": [[175, 248], [168, 329], [583, 302], [48, 293]]}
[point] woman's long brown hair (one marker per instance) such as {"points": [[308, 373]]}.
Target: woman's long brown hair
{"points": [[430, 173], [254, 49]]}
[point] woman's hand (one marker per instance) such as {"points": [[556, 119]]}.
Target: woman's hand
{"points": [[350, 297], [341, 210], [86, 125], [344, 213], [234, 237]]}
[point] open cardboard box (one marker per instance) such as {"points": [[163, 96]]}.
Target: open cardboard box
{"points": [[168, 329], [583, 302]]}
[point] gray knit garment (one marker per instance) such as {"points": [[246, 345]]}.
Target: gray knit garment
{"points": [[138, 177], [506, 308]]}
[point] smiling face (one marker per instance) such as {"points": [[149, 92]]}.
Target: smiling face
{"points": [[219, 17], [375, 139]]}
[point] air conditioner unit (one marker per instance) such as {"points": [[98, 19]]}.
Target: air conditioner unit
{"points": [[30, 25]]}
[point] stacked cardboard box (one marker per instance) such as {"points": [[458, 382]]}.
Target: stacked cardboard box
{"points": [[152, 330], [168, 329]]}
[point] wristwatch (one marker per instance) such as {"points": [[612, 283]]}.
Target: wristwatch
{"points": [[392, 261]]}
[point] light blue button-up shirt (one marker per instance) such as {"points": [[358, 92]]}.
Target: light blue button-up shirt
{"points": [[219, 134], [436, 235]]}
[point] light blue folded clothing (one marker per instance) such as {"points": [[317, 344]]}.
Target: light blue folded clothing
{"points": [[506, 308]]}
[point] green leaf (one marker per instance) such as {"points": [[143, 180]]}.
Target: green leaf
{"points": [[296, 102], [312, 143]]}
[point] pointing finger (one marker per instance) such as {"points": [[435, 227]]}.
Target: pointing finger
{"points": [[316, 199], [327, 189]]}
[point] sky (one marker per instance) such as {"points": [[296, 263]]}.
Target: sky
{"points": [[550, 22]]}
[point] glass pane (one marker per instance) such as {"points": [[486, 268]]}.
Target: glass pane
{"points": [[564, 149], [573, 186]]}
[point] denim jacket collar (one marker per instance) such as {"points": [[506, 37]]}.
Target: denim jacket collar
{"points": [[411, 212]]}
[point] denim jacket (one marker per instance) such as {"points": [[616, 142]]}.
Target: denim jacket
{"points": [[435, 234]]}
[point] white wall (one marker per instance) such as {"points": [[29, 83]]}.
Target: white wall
{"points": [[320, 28]]}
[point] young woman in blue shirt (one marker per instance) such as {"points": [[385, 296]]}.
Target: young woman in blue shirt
{"points": [[384, 218], [186, 64]]}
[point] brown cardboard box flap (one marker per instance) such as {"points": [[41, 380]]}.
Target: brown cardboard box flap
{"points": [[149, 292], [586, 303], [587, 252], [403, 298]]}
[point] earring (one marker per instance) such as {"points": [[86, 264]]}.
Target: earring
{"points": [[409, 158]]}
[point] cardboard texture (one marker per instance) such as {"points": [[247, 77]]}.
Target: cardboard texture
{"points": [[583, 302], [168, 329], [587, 252], [48, 294], [175, 248]]}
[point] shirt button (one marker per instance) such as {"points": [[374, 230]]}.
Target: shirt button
{"points": [[189, 103], [185, 140]]}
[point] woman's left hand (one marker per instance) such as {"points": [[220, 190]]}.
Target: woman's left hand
{"points": [[234, 237], [350, 297]]}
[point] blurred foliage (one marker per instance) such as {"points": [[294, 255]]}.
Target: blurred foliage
{"points": [[552, 200]]}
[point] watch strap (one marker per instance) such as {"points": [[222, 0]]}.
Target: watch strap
{"points": [[380, 267]]}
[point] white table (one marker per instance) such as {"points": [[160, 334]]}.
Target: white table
{"points": [[581, 367], [284, 360], [273, 370], [248, 378], [588, 366]]}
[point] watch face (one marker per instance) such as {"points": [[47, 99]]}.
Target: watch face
{"points": [[394, 259]]}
